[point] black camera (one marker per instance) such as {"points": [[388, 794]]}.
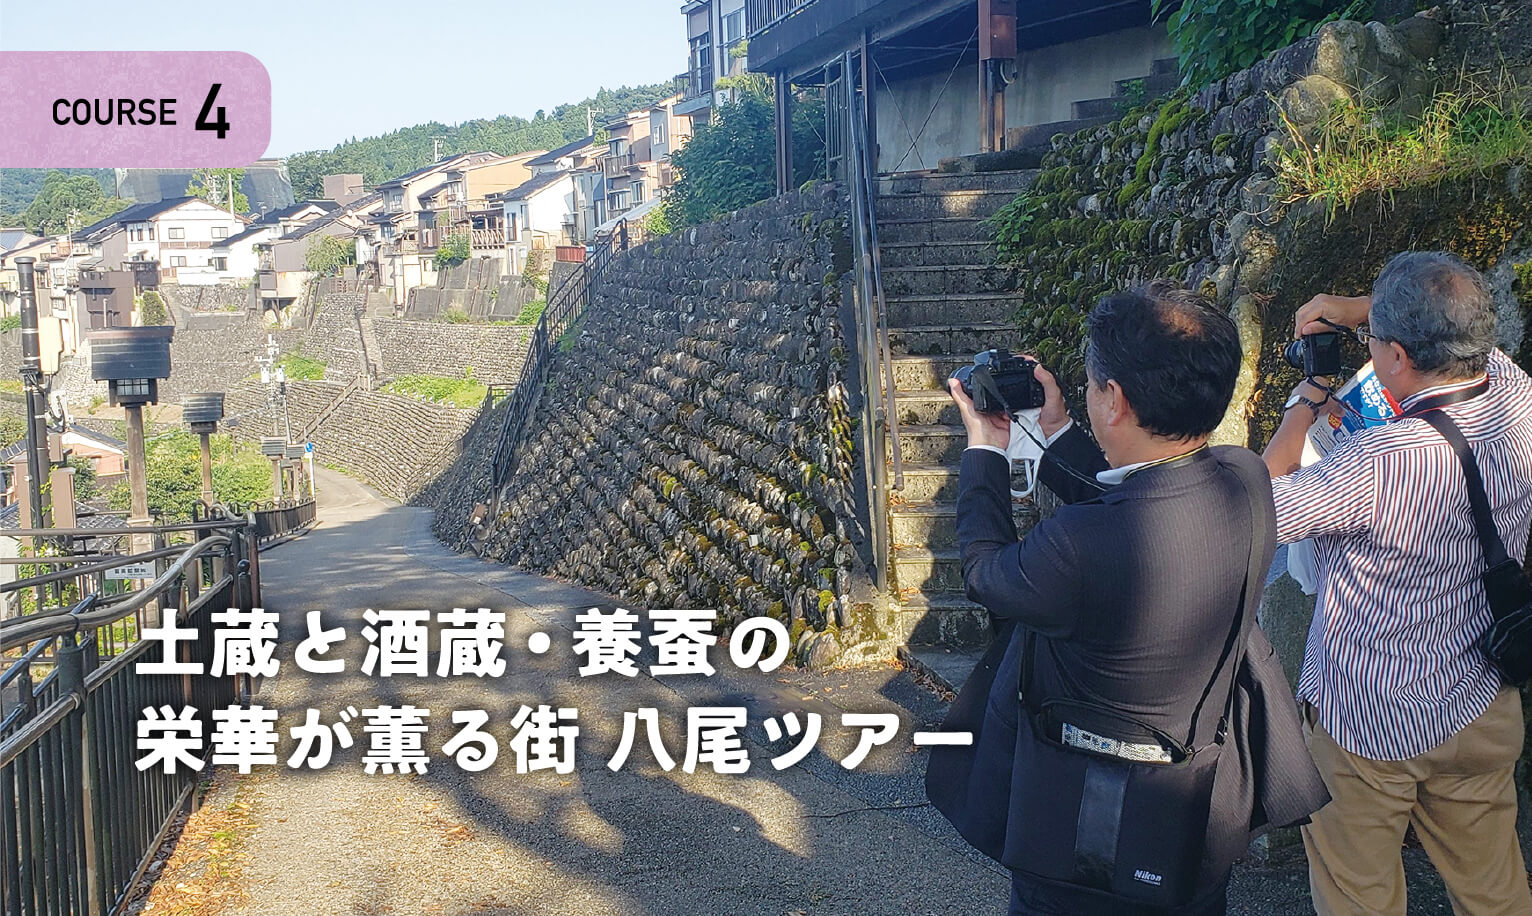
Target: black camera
{"points": [[1315, 354], [1001, 383]]}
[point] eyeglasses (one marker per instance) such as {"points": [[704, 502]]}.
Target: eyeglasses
{"points": [[1366, 335]]}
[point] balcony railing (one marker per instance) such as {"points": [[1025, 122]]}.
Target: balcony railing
{"points": [[760, 14], [700, 81], [487, 238], [613, 166]]}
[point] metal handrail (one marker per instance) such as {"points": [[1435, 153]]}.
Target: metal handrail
{"points": [[19, 631], [564, 305], [872, 340]]}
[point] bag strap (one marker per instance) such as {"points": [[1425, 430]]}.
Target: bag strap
{"points": [[1483, 522], [1235, 645]]}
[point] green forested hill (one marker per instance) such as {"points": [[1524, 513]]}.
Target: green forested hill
{"points": [[381, 158], [19, 186], [392, 154]]}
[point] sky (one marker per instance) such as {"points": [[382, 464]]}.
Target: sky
{"points": [[344, 68]]}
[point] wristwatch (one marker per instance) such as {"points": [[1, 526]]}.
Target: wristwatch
{"points": [[1311, 404]]}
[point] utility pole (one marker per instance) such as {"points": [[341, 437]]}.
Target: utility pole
{"points": [[590, 121], [436, 148], [32, 385]]}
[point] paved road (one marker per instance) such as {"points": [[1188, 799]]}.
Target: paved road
{"points": [[813, 839]]}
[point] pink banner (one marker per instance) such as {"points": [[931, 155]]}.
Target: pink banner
{"points": [[133, 109]]}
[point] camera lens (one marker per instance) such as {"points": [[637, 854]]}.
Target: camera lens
{"points": [[1293, 353]]}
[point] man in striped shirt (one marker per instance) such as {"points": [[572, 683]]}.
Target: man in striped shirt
{"points": [[1407, 720]]}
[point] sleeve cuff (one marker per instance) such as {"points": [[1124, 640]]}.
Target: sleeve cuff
{"points": [[1058, 434], [989, 448]]}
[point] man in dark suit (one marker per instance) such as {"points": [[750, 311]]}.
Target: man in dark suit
{"points": [[1123, 613]]}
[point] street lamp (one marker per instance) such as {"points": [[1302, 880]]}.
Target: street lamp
{"points": [[202, 413], [132, 361]]}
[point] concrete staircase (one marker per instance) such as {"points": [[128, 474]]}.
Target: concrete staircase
{"points": [[947, 300], [1162, 79]]}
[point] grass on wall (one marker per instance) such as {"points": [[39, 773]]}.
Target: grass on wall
{"points": [[465, 393], [1357, 151], [300, 368]]}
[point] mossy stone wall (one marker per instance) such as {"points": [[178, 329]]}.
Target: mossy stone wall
{"points": [[695, 443]]}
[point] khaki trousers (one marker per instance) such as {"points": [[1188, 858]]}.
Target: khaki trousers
{"points": [[1461, 797]]}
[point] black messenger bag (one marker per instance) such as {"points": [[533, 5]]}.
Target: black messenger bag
{"points": [[1508, 641], [1133, 829]]}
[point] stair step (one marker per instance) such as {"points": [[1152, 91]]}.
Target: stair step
{"points": [[1154, 85], [946, 230], [1041, 135], [1014, 181], [928, 569], [928, 483], [948, 666], [955, 340], [943, 204], [931, 444], [926, 373], [935, 254], [925, 408], [1098, 108], [953, 309], [945, 279], [933, 525], [1165, 65], [945, 619]]}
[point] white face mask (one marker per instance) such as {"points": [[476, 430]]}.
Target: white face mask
{"points": [[1024, 450]]}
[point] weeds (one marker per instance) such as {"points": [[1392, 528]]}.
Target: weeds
{"points": [[459, 392], [1357, 150]]}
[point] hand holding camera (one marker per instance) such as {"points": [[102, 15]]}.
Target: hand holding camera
{"points": [[999, 385]]}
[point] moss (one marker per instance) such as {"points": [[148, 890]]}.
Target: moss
{"points": [[826, 599], [1222, 142]]}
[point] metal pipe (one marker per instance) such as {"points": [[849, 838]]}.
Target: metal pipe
{"points": [[31, 382]]}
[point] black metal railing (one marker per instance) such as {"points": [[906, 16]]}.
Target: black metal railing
{"points": [[79, 821], [276, 518], [564, 305]]}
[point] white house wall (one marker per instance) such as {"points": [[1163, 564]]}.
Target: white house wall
{"points": [[920, 122]]}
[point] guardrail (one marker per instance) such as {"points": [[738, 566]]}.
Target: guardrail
{"points": [[281, 517], [79, 821], [564, 305]]}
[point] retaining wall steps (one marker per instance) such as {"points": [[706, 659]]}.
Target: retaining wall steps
{"points": [[947, 300]]}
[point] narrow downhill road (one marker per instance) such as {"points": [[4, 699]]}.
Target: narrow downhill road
{"points": [[811, 839]]}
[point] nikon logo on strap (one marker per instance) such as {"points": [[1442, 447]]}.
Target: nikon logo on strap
{"points": [[1147, 877]]}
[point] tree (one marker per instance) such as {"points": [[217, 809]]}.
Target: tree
{"points": [[151, 309], [213, 185], [731, 162], [326, 254], [174, 465], [69, 202], [454, 250]]}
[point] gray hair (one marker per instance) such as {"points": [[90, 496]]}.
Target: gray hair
{"points": [[1438, 309]]}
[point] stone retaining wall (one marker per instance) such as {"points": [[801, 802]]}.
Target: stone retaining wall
{"points": [[494, 353], [694, 445]]}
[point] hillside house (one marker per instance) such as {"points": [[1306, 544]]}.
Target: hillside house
{"points": [[715, 33], [177, 234]]}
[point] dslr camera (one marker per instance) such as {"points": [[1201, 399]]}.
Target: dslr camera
{"points": [[1315, 354], [1000, 383]]}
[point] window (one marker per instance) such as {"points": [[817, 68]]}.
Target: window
{"points": [[657, 133], [702, 65], [178, 260], [733, 27], [638, 192], [176, 232], [151, 233], [220, 232], [220, 263]]}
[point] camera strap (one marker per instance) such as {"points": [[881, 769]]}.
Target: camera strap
{"points": [[1438, 401], [1484, 523]]}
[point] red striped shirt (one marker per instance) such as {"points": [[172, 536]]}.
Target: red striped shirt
{"points": [[1392, 663]]}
